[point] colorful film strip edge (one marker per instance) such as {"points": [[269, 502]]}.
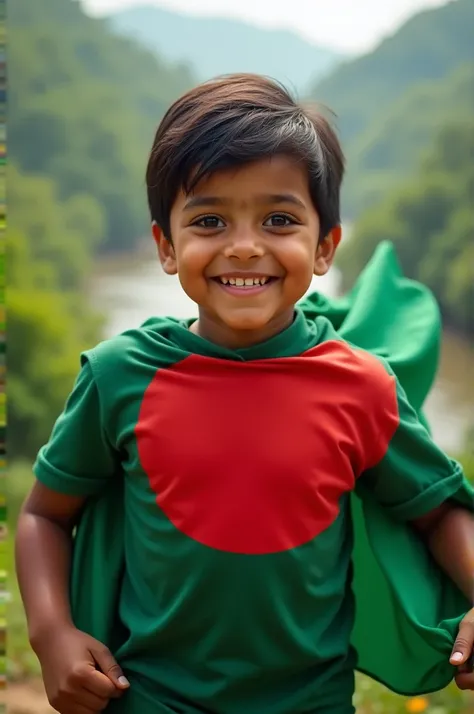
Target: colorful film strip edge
{"points": [[4, 584]]}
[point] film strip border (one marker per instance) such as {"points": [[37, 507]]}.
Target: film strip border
{"points": [[3, 511]]}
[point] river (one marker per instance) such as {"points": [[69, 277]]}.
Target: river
{"points": [[129, 291]]}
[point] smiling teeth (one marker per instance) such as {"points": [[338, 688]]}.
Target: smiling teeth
{"points": [[243, 283]]}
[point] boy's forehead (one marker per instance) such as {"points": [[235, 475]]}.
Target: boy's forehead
{"points": [[276, 175]]}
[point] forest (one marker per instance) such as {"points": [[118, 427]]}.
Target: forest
{"points": [[429, 217], [405, 115], [83, 108]]}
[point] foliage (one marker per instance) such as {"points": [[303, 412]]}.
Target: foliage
{"points": [[430, 221], [83, 106], [372, 698], [391, 104], [430, 46], [49, 321], [394, 141], [391, 101]]}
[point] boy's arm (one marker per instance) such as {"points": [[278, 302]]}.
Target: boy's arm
{"points": [[79, 461], [43, 556], [449, 534], [77, 670], [416, 482]]}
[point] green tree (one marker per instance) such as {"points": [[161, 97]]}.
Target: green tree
{"points": [[49, 320], [431, 222], [395, 139], [83, 107], [46, 333], [429, 46]]}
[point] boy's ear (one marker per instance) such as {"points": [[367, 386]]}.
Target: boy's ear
{"points": [[165, 250], [326, 251]]}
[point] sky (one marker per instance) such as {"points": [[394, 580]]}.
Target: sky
{"points": [[353, 26]]}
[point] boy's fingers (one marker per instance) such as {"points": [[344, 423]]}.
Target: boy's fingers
{"points": [[467, 667], [108, 665], [464, 644], [465, 681], [92, 702], [100, 685], [79, 709]]}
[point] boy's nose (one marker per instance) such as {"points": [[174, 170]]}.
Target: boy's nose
{"points": [[244, 247]]}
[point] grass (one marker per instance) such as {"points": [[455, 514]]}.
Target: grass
{"points": [[371, 698]]}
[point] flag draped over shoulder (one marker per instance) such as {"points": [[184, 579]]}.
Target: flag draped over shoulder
{"points": [[407, 610]]}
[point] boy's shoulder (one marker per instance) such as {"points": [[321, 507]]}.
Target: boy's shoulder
{"points": [[152, 342], [369, 369]]}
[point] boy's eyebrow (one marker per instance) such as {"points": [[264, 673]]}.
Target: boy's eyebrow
{"points": [[282, 198], [200, 201]]}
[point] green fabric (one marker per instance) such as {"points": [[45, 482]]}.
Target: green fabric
{"points": [[402, 635], [403, 632]]}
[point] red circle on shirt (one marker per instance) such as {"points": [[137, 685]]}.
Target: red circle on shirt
{"points": [[248, 457]]}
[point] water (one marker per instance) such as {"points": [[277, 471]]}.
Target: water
{"points": [[131, 291]]}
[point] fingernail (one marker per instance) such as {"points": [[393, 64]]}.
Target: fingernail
{"points": [[123, 681], [457, 657]]}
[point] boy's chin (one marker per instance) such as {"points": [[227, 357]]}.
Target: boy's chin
{"points": [[248, 320]]}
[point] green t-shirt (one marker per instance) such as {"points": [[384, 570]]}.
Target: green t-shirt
{"points": [[237, 469]]}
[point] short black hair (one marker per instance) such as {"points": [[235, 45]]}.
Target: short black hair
{"points": [[234, 120]]}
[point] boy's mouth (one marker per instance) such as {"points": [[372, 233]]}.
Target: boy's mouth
{"points": [[244, 285], [243, 282]]}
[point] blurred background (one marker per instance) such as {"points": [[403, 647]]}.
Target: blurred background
{"points": [[88, 84]]}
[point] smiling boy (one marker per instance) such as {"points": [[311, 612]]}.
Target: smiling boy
{"points": [[238, 439]]}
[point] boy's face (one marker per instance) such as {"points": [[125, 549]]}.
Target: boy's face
{"points": [[245, 247]]}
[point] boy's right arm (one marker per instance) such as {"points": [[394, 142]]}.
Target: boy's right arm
{"points": [[43, 554], [80, 459], [80, 674]]}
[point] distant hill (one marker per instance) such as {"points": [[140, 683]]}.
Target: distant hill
{"points": [[390, 102], [429, 46], [214, 45], [395, 141], [405, 113]]}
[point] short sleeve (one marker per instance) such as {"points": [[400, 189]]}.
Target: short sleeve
{"points": [[414, 476], [79, 459]]}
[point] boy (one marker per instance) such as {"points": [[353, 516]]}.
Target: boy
{"points": [[232, 443]]}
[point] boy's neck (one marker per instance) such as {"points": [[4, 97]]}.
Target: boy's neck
{"points": [[220, 334]]}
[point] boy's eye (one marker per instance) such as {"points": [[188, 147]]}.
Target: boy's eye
{"points": [[209, 222], [279, 220]]}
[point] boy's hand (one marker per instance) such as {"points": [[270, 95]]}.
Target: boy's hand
{"points": [[80, 675], [463, 653]]}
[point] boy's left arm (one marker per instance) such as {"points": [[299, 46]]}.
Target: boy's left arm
{"points": [[417, 483], [448, 531]]}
